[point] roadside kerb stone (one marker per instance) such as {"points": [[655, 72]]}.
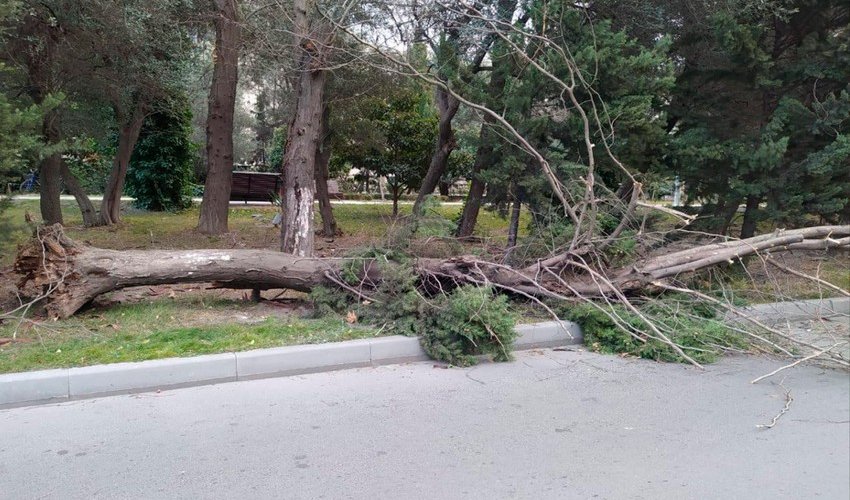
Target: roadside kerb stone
{"points": [[18, 389], [30, 387], [396, 349], [302, 359], [128, 377], [548, 334]]}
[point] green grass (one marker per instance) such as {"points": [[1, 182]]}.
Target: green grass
{"points": [[160, 329], [250, 227]]}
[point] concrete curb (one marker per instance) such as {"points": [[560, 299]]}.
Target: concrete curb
{"points": [[28, 388]]}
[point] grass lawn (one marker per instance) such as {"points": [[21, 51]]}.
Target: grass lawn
{"points": [[250, 227], [185, 326]]}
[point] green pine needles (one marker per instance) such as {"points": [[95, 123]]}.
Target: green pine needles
{"points": [[455, 327], [695, 327]]}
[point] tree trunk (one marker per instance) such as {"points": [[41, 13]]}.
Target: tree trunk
{"points": [[77, 273], [220, 109], [50, 176], [484, 157], [396, 194], [447, 105], [90, 218], [444, 189], [323, 157], [469, 217], [302, 139], [513, 226], [128, 135], [729, 210], [748, 228]]}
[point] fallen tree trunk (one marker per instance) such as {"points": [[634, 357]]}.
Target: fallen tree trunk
{"points": [[68, 274]]}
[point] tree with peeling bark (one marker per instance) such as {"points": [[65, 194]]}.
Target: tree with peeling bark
{"points": [[222, 101], [312, 40], [306, 155]]}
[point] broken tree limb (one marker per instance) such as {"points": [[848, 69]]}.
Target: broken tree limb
{"points": [[76, 273]]}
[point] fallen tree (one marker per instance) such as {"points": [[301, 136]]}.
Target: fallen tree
{"points": [[66, 275]]}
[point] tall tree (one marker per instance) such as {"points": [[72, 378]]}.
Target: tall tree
{"points": [[34, 43], [129, 126], [161, 166], [448, 53], [485, 154], [311, 37], [96, 53], [761, 112], [222, 101]]}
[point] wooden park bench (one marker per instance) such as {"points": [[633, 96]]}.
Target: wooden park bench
{"points": [[254, 186], [264, 186]]}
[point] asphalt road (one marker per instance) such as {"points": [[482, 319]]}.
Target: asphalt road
{"points": [[550, 425]]}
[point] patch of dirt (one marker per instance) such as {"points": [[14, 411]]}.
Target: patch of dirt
{"points": [[8, 297]]}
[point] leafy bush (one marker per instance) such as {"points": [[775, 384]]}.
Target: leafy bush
{"points": [[161, 168], [694, 325], [275, 158]]}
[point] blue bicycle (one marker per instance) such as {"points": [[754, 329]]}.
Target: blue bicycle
{"points": [[30, 183]]}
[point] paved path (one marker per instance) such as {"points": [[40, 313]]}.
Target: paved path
{"points": [[97, 197], [550, 425]]}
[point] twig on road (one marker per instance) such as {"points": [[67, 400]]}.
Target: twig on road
{"points": [[795, 363], [788, 400]]}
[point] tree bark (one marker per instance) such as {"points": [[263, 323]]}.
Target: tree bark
{"points": [[90, 218], [513, 226], [323, 157], [128, 135], [447, 105], [220, 109], [748, 227], [302, 140], [728, 215], [76, 273], [50, 176], [469, 216]]}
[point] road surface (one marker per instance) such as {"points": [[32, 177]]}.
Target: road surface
{"points": [[552, 424]]}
